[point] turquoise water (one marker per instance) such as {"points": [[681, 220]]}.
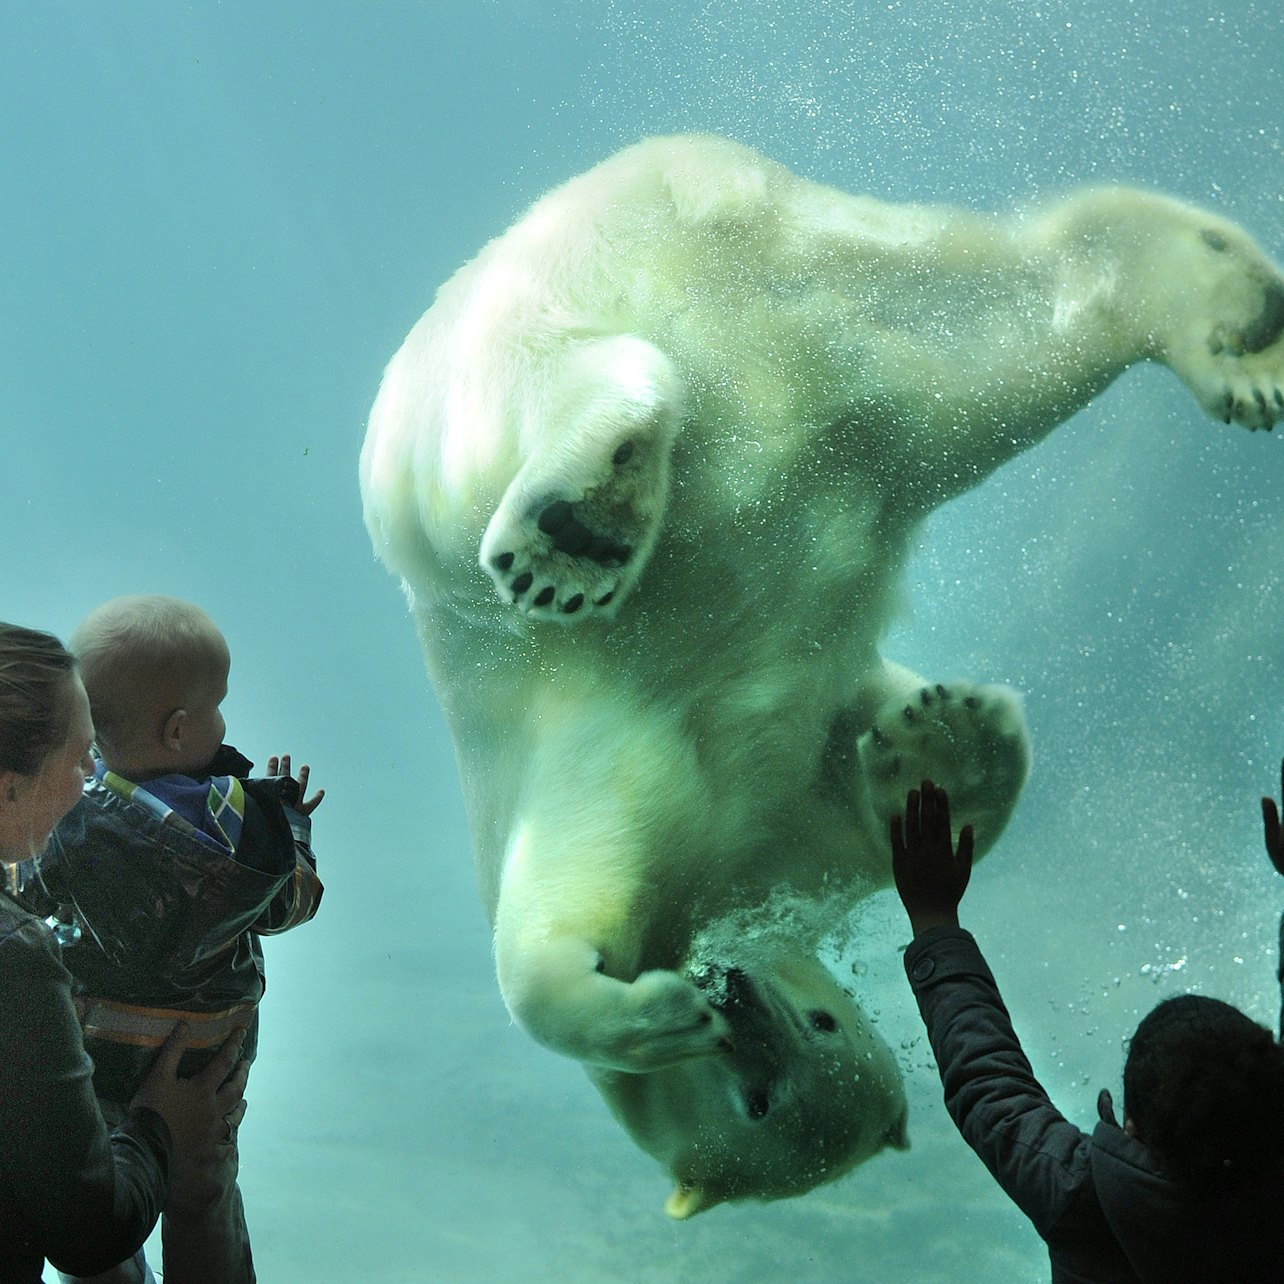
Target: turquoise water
{"points": [[219, 221]]}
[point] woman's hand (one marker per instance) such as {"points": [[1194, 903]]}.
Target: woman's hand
{"points": [[202, 1112]]}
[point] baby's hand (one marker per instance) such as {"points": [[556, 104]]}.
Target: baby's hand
{"points": [[281, 767]]}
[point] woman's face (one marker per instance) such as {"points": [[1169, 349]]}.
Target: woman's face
{"points": [[31, 806]]}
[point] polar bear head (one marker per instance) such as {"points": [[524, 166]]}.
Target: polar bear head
{"points": [[805, 1091]]}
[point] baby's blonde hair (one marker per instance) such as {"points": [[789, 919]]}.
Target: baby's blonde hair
{"points": [[139, 658]]}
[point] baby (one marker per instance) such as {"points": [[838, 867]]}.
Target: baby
{"points": [[169, 870]]}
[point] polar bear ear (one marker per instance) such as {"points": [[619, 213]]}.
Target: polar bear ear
{"points": [[686, 1201]]}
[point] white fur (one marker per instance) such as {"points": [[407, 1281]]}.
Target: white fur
{"points": [[649, 468]]}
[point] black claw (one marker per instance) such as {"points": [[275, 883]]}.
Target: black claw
{"points": [[623, 453], [605, 598], [942, 692], [544, 596], [1279, 397], [1260, 399], [503, 561], [1214, 240], [880, 738], [573, 604], [925, 696], [908, 714], [522, 583]]}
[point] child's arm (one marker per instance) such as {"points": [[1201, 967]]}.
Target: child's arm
{"points": [[297, 900], [998, 1105], [1275, 850]]}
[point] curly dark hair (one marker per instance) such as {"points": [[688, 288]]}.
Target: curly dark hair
{"points": [[1204, 1089], [34, 668]]}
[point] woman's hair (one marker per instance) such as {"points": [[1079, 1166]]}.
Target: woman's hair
{"points": [[1204, 1089], [34, 668]]}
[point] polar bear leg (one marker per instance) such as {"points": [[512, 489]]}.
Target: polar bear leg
{"points": [[558, 991], [1183, 286], [969, 740], [580, 519]]}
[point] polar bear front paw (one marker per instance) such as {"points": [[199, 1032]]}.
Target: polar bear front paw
{"points": [[576, 526], [1250, 361], [668, 1019], [1236, 366], [970, 740], [563, 554]]}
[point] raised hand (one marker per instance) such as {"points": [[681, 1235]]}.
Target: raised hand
{"points": [[281, 767], [931, 876], [1271, 822]]}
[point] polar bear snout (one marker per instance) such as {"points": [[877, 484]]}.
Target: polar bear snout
{"points": [[759, 1029], [804, 1090]]}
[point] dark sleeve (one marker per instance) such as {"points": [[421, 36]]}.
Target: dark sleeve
{"points": [[1032, 1151], [88, 1199], [300, 898], [299, 895]]}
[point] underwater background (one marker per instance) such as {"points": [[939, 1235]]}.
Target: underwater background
{"points": [[218, 221]]}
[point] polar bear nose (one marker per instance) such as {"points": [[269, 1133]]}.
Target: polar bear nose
{"points": [[726, 987], [737, 988]]}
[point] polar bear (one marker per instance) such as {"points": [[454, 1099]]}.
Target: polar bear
{"points": [[649, 469]]}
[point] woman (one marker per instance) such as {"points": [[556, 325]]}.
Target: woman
{"points": [[70, 1191]]}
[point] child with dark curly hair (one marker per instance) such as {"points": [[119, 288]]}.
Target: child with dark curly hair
{"points": [[1191, 1188]]}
